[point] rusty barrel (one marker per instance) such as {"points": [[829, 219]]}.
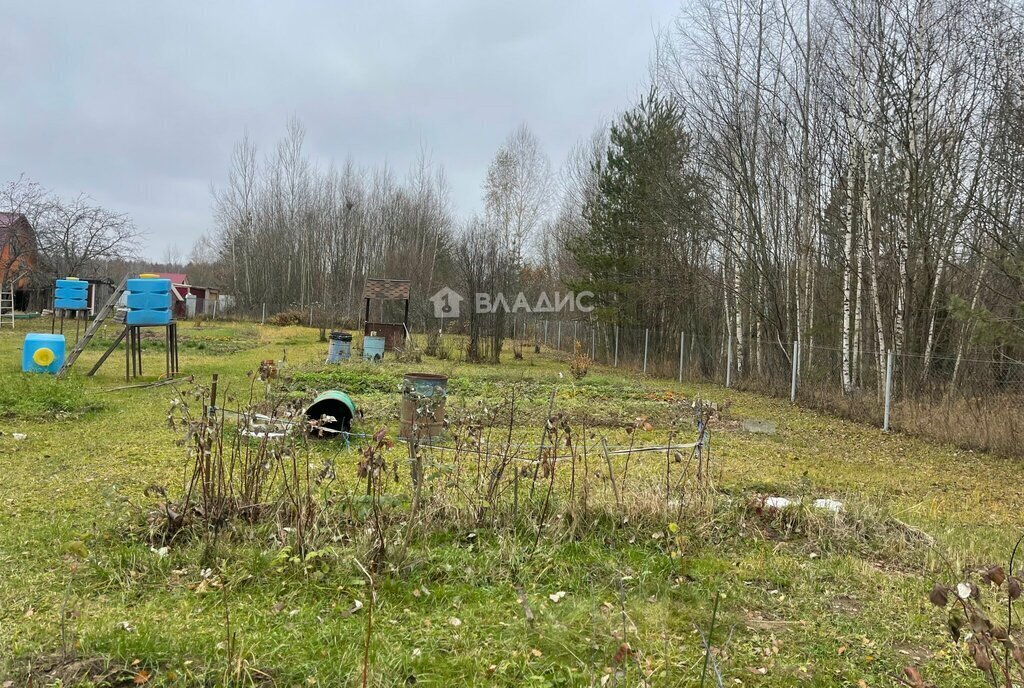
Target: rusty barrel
{"points": [[426, 394]]}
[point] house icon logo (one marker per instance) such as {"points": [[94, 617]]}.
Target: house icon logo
{"points": [[446, 303]]}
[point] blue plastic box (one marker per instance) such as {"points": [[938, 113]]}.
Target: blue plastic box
{"points": [[42, 353]]}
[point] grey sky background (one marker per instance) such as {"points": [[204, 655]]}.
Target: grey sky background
{"points": [[138, 104]]}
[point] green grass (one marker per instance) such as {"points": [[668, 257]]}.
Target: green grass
{"points": [[832, 606]]}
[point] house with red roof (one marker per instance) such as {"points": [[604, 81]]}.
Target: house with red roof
{"points": [[191, 299]]}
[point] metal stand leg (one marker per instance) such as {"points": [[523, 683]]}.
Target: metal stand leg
{"points": [[106, 354]]}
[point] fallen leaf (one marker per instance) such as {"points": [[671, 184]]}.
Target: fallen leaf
{"points": [[536, 653], [141, 677], [455, 621], [557, 597], [914, 677]]}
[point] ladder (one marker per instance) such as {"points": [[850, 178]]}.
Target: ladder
{"points": [[90, 331], [7, 307]]}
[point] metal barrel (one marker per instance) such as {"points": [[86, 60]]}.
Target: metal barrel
{"points": [[373, 348], [340, 347], [429, 392]]}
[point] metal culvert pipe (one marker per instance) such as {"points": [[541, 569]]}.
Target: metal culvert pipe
{"points": [[336, 404]]}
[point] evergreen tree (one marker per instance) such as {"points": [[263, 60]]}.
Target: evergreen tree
{"points": [[635, 252]]}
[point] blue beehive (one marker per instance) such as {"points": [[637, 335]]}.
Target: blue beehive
{"points": [[72, 295], [42, 353], [149, 301]]}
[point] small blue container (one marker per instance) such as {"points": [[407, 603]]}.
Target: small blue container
{"points": [[42, 353], [373, 348], [148, 317]]}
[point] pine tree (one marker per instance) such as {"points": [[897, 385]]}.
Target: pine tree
{"points": [[634, 255]]}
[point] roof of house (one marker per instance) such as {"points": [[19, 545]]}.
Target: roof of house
{"points": [[8, 220], [386, 289], [175, 277]]}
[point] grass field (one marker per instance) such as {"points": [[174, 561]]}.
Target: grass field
{"points": [[86, 598]]}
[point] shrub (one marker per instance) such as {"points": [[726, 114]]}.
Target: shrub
{"points": [[579, 366], [286, 318]]}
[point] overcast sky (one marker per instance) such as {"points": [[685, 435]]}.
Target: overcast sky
{"points": [[138, 104]]}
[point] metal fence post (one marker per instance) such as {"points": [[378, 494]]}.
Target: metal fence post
{"points": [[545, 333], [647, 334], [682, 348], [890, 363], [263, 318], [795, 364], [593, 343], [728, 363], [558, 340], [616, 363]]}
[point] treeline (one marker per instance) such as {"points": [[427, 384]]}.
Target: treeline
{"points": [[863, 162], [843, 174], [292, 235]]}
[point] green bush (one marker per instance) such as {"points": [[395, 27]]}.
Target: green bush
{"points": [[43, 396]]}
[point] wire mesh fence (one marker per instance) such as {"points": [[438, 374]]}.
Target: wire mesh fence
{"points": [[970, 402]]}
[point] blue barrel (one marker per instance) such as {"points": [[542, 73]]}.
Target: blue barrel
{"points": [[340, 348], [42, 353], [71, 295], [373, 348], [149, 301]]}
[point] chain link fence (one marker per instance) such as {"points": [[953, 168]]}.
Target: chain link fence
{"points": [[969, 402]]}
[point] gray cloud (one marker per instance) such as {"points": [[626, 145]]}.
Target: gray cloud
{"points": [[139, 104]]}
